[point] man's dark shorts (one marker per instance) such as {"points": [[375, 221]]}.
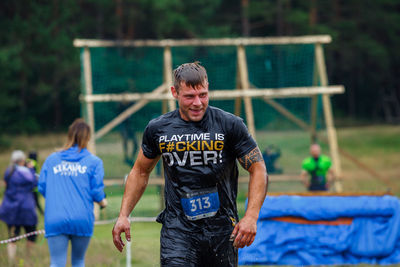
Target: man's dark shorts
{"points": [[317, 187], [180, 248]]}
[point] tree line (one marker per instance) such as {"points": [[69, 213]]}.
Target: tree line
{"points": [[40, 68]]}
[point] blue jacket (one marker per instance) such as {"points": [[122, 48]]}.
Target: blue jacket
{"points": [[71, 180], [18, 206]]}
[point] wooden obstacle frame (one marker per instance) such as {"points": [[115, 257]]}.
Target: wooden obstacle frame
{"points": [[244, 91]]}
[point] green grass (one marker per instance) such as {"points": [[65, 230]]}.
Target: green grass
{"points": [[148, 206], [376, 146], [145, 246]]}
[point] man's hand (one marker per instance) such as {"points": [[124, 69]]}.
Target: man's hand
{"points": [[122, 225], [244, 232], [304, 178]]}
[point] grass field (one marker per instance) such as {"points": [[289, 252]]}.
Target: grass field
{"points": [[378, 147]]}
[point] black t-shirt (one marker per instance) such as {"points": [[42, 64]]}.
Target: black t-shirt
{"points": [[196, 156]]}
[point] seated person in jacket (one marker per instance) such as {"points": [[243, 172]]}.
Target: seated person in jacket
{"points": [[270, 155]]}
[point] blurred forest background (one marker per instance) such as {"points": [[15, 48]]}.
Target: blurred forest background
{"points": [[40, 68]]}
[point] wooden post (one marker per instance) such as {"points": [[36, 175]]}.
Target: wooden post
{"points": [[168, 75], [313, 127], [164, 107], [245, 85], [89, 116], [238, 100], [161, 187], [171, 103], [331, 131], [314, 101]]}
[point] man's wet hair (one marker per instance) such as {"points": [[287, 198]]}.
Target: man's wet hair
{"points": [[192, 74]]}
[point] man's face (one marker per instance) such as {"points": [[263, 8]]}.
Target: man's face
{"points": [[315, 151], [193, 102]]}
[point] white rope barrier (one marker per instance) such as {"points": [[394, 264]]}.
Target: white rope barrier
{"points": [[143, 219], [38, 232], [103, 222], [131, 219]]}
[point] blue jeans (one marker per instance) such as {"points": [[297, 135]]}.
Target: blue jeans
{"points": [[58, 247]]}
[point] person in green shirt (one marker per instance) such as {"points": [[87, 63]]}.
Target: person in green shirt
{"points": [[317, 173]]}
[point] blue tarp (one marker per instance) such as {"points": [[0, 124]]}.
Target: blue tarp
{"points": [[372, 237]]}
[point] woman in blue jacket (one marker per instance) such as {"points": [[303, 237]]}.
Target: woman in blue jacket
{"points": [[71, 180], [18, 207]]}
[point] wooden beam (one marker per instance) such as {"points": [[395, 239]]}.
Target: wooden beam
{"points": [[87, 69], [126, 113], [127, 97], [245, 85], [308, 39], [268, 93], [331, 131]]}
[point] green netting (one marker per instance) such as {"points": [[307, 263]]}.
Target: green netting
{"points": [[140, 69], [125, 70], [118, 70], [278, 67]]}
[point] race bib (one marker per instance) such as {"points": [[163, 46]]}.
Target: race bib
{"points": [[200, 204]]}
